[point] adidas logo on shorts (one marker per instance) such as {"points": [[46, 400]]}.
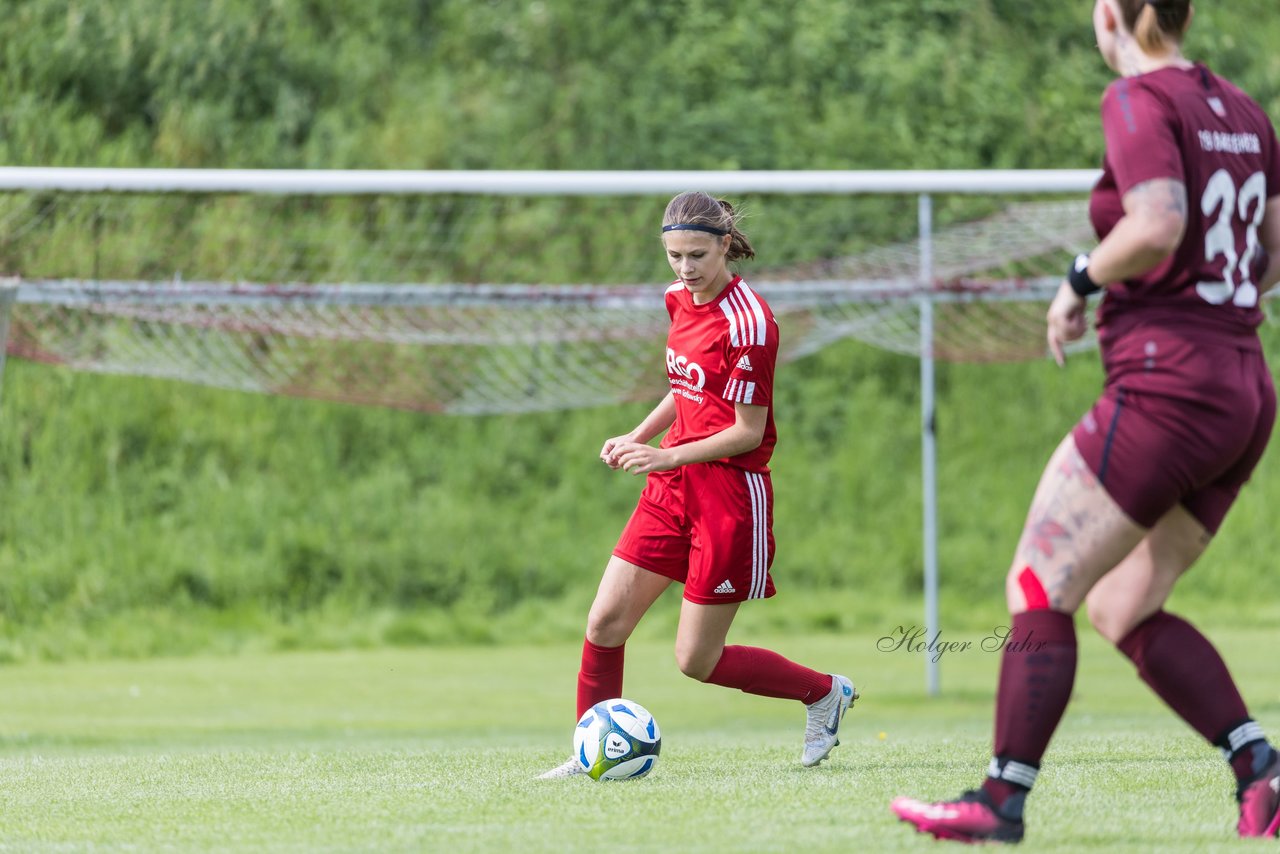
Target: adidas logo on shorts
{"points": [[744, 364], [725, 586]]}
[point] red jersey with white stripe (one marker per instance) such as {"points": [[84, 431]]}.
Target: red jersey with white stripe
{"points": [[1189, 125], [719, 354]]}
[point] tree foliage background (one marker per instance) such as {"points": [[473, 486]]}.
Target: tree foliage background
{"points": [[553, 84]]}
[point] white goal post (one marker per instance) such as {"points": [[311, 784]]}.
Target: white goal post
{"points": [[901, 296]]}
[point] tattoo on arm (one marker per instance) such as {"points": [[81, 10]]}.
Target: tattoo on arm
{"points": [[1159, 196]]}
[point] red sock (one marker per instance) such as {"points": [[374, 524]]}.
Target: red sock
{"points": [[1186, 671], [1036, 675], [600, 677], [760, 671]]}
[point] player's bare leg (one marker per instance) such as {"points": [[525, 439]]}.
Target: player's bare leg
{"points": [[625, 594], [1141, 583], [1074, 534], [701, 654], [1182, 666], [701, 635]]}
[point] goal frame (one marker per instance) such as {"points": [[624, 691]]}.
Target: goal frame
{"points": [[923, 184]]}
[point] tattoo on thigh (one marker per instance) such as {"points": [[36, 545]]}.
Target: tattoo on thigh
{"points": [[1041, 534], [1059, 580], [1075, 468]]}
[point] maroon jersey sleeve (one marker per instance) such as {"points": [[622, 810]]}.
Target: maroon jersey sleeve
{"points": [[1142, 143]]}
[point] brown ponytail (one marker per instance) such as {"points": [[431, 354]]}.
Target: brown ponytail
{"points": [[1158, 25]]}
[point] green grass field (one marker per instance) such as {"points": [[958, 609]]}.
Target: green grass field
{"points": [[435, 750]]}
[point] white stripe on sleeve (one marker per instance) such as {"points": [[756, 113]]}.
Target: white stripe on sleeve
{"points": [[733, 322], [738, 391], [757, 312], [746, 320]]}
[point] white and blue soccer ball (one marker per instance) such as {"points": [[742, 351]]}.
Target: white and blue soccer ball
{"points": [[617, 740]]}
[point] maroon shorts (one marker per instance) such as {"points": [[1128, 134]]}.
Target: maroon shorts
{"points": [[708, 526], [1182, 420]]}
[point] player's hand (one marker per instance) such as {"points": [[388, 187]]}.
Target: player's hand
{"points": [[1066, 321], [609, 453], [636, 458]]}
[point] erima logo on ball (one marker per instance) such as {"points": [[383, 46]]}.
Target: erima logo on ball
{"points": [[615, 746]]}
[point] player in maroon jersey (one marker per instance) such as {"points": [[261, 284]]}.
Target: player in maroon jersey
{"points": [[705, 517], [1188, 216]]}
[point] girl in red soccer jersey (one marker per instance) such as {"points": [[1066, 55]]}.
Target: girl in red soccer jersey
{"points": [[1188, 213], [705, 516]]}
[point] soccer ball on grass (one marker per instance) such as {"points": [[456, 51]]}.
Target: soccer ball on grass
{"points": [[617, 740]]}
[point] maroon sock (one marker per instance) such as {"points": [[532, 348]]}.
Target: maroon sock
{"points": [[1186, 671], [600, 677], [1036, 675], [764, 672]]}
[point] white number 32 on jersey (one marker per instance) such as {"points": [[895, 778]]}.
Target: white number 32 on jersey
{"points": [[1249, 204]]}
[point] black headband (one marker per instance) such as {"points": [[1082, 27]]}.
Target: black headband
{"points": [[693, 226]]}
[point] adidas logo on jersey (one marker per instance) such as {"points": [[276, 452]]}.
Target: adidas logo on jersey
{"points": [[725, 587], [744, 364]]}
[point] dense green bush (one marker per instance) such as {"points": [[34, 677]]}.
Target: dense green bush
{"points": [[705, 84]]}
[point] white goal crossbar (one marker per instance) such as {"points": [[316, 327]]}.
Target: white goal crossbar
{"points": [[525, 183]]}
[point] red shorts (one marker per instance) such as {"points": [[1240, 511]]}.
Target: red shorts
{"points": [[708, 526], [1182, 420]]}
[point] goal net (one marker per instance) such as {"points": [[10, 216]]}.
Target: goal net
{"points": [[461, 294]]}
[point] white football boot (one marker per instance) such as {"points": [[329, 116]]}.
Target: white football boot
{"points": [[824, 720], [570, 768]]}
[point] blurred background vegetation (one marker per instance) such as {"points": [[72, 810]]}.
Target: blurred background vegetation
{"points": [[141, 517]]}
